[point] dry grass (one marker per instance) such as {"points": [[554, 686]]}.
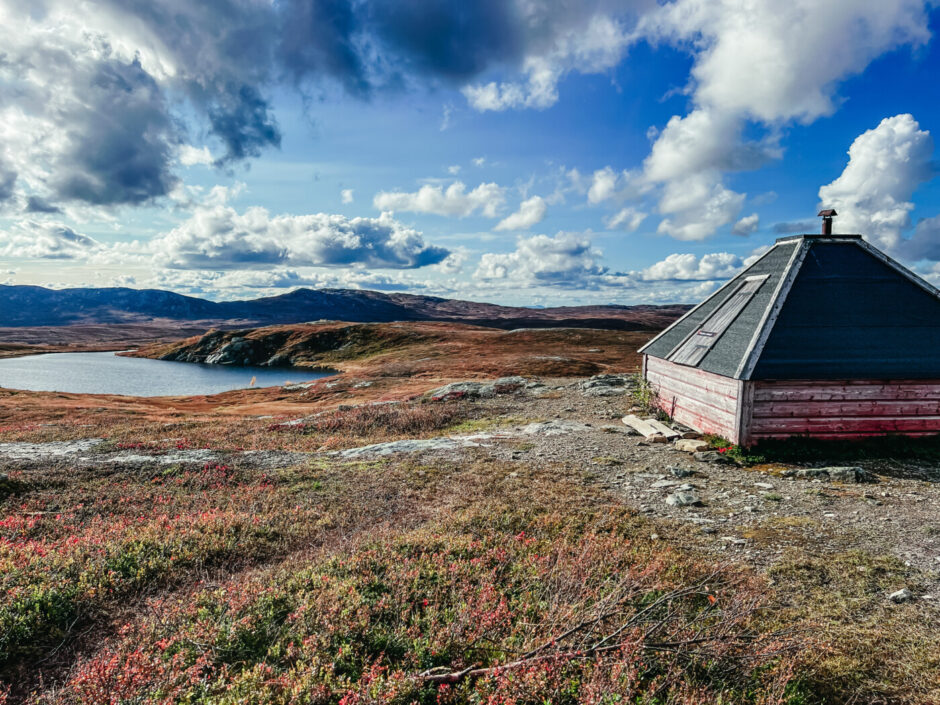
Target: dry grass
{"points": [[382, 420], [876, 651]]}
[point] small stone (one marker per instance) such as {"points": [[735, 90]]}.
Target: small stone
{"points": [[680, 472], [659, 484], [712, 456], [833, 474], [683, 499], [654, 537], [764, 485], [606, 385], [902, 595], [552, 428], [685, 488], [658, 439], [691, 435], [734, 540], [690, 445]]}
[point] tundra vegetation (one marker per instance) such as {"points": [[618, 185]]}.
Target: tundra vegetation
{"points": [[464, 577]]}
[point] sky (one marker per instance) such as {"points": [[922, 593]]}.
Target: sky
{"points": [[523, 152]]}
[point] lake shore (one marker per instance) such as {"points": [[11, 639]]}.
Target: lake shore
{"points": [[109, 373], [11, 350]]}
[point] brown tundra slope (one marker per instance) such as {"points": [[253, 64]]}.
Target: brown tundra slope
{"points": [[415, 350], [378, 362]]}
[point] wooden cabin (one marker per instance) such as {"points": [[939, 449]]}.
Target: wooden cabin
{"points": [[823, 336]]}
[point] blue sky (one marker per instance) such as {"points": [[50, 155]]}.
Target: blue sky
{"points": [[531, 152]]}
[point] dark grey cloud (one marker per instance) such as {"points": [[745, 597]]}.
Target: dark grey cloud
{"points": [[454, 40], [244, 122], [318, 38], [223, 51], [37, 204], [120, 139], [7, 182]]}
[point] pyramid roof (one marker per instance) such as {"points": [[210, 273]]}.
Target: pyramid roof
{"points": [[813, 307]]}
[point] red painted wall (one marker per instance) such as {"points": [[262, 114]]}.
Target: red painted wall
{"points": [[844, 409], [701, 400], [836, 409]]}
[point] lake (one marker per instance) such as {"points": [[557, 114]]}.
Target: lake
{"points": [[107, 373]]}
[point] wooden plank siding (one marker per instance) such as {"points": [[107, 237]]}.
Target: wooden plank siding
{"points": [[746, 412], [701, 400], [844, 408]]}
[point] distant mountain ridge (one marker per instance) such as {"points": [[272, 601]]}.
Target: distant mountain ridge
{"points": [[22, 306]]}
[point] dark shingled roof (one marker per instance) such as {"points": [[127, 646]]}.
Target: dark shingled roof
{"points": [[831, 307]]}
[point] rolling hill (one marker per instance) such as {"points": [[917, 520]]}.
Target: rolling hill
{"points": [[30, 306]]}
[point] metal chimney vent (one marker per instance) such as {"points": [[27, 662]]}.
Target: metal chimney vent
{"points": [[827, 216]]}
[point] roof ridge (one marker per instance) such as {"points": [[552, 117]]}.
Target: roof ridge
{"points": [[774, 306], [817, 237]]}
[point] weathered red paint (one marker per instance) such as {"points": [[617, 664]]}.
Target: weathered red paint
{"points": [[749, 411], [701, 400], [844, 408]]}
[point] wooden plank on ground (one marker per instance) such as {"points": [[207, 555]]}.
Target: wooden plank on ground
{"points": [[663, 428], [643, 427]]}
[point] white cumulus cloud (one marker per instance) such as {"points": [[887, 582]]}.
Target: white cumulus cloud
{"points": [[531, 211], [688, 267], [747, 225], [567, 259], [586, 42], [454, 201], [628, 219], [190, 156], [697, 205], [221, 238], [749, 65], [873, 193], [29, 239]]}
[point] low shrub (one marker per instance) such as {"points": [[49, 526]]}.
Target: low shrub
{"points": [[369, 420], [459, 612]]}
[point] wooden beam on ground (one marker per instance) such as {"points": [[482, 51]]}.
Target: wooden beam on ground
{"points": [[642, 426], [663, 428]]}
